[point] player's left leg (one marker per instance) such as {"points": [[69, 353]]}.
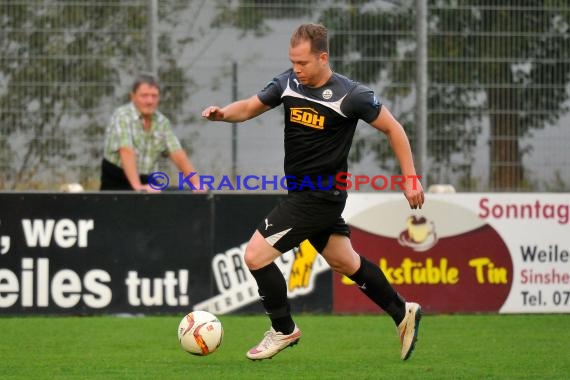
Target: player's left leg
{"points": [[370, 279], [342, 258]]}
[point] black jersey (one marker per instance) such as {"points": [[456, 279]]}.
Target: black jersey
{"points": [[319, 126]]}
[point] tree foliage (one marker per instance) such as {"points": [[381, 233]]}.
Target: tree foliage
{"points": [[505, 64], [61, 77], [509, 62], [502, 65]]}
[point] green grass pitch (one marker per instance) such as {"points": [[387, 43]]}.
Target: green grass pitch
{"points": [[332, 347]]}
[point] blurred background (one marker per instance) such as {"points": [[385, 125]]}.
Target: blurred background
{"points": [[481, 86]]}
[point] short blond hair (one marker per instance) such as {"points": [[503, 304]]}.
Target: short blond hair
{"points": [[316, 34]]}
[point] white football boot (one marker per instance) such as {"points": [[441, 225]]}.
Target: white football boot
{"points": [[272, 343], [408, 329]]}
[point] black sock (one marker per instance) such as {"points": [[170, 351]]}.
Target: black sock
{"points": [[372, 282], [272, 289]]}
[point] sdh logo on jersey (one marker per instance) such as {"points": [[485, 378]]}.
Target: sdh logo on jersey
{"points": [[307, 116]]}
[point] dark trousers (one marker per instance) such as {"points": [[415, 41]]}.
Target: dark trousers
{"points": [[113, 177]]}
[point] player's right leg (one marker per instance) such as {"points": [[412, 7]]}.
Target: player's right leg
{"points": [[272, 343], [299, 216]]}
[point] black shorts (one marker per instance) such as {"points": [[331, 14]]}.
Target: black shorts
{"points": [[301, 216]]}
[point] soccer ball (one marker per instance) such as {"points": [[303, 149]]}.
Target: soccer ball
{"points": [[200, 333]]}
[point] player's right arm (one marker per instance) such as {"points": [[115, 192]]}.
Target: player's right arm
{"points": [[237, 111]]}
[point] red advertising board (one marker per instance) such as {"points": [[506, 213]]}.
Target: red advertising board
{"points": [[463, 252]]}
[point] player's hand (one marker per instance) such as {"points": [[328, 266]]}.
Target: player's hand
{"points": [[414, 192], [213, 113]]}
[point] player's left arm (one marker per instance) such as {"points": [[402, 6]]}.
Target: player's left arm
{"points": [[386, 123]]}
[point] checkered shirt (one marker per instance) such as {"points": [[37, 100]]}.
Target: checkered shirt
{"points": [[126, 130]]}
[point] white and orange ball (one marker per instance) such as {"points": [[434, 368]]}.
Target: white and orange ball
{"points": [[200, 333]]}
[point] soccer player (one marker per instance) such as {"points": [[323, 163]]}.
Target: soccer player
{"points": [[322, 109]]}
